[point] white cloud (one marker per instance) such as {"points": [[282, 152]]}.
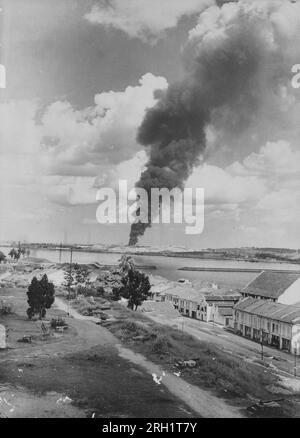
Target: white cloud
{"points": [[275, 159], [223, 188], [105, 134], [144, 19], [68, 152], [277, 165]]}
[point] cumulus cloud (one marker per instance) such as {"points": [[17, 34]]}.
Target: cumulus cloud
{"points": [[260, 191], [277, 166], [84, 141], [144, 19], [274, 159], [222, 187], [66, 152]]}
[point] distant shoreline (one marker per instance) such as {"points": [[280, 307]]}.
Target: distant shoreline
{"points": [[250, 255]]}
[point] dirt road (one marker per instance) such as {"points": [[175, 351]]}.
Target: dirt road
{"points": [[235, 345], [78, 373], [200, 401]]}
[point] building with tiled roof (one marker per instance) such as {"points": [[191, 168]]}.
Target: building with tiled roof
{"points": [[279, 287], [269, 322]]}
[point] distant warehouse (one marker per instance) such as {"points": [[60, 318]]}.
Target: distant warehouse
{"points": [[272, 323]]}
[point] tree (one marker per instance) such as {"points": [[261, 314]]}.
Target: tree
{"points": [[135, 288], [69, 278], [126, 264], [40, 296], [82, 276], [2, 257], [12, 253], [76, 275]]}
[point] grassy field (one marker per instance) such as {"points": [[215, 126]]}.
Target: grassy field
{"points": [[83, 364], [74, 374], [242, 383]]}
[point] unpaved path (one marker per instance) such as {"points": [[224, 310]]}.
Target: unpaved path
{"points": [[201, 401], [196, 398]]}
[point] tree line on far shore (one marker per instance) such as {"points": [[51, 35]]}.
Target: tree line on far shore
{"points": [[15, 254]]}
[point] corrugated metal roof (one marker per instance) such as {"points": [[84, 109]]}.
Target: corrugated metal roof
{"points": [[271, 284], [185, 293], [280, 312]]}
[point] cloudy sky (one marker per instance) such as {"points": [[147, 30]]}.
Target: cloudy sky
{"points": [[81, 75]]}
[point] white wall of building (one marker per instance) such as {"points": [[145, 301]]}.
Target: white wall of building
{"points": [[291, 295]]}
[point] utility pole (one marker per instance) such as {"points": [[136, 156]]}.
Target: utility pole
{"points": [[295, 362], [70, 272], [262, 345], [60, 251]]}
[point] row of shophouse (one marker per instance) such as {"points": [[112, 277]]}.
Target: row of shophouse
{"points": [[267, 310], [208, 304], [270, 311]]}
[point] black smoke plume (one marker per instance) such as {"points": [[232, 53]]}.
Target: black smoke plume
{"points": [[223, 76]]}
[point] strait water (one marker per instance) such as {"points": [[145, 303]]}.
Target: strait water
{"points": [[168, 266]]}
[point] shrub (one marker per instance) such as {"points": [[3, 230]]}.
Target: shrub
{"points": [[161, 345], [57, 322], [5, 308]]}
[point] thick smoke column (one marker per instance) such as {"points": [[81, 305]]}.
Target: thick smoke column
{"points": [[222, 66]]}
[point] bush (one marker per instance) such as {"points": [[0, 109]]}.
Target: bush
{"points": [[100, 291], [161, 345], [86, 291], [5, 308], [57, 322], [133, 328]]}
